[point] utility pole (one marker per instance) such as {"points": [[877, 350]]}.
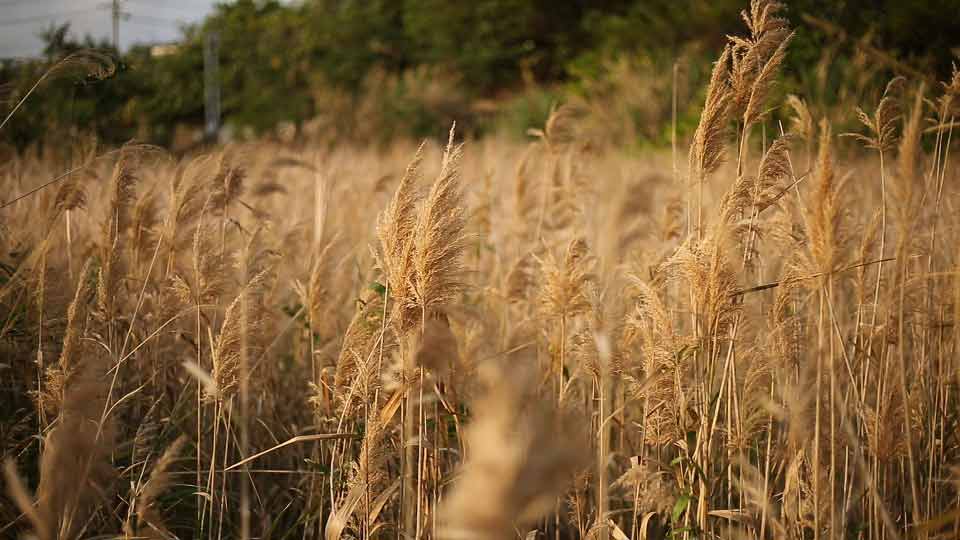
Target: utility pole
{"points": [[116, 13], [211, 83]]}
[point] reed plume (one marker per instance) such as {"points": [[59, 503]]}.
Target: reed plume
{"points": [[756, 59], [395, 229], [58, 377], [148, 518], [355, 368], [513, 473], [707, 150], [438, 239], [824, 214], [227, 347], [76, 474]]}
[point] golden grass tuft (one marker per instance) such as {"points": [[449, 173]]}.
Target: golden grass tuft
{"points": [[551, 339]]}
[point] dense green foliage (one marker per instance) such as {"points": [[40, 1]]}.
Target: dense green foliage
{"points": [[319, 58]]}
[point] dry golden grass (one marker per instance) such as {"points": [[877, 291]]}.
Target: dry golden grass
{"points": [[546, 340]]}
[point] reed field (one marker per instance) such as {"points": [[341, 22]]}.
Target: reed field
{"points": [[753, 334]]}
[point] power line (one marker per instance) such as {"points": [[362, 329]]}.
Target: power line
{"points": [[32, 3], [116, 13], [150, 19], [37, 18], [16, 2], [175, 9]]}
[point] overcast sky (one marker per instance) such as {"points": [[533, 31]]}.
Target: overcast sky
{"points": [[149, 21]]}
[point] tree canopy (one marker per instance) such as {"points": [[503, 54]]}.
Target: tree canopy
{"points": [[279, 61]]}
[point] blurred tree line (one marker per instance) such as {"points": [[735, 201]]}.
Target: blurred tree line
{"points": [[283, 62]]}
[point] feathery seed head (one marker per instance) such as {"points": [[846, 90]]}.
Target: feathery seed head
{"points": [[564, 291], [438, 239], [707, 149], [514, 472]]}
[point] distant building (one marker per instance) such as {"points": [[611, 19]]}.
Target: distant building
{"points": [[163, 49]]}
